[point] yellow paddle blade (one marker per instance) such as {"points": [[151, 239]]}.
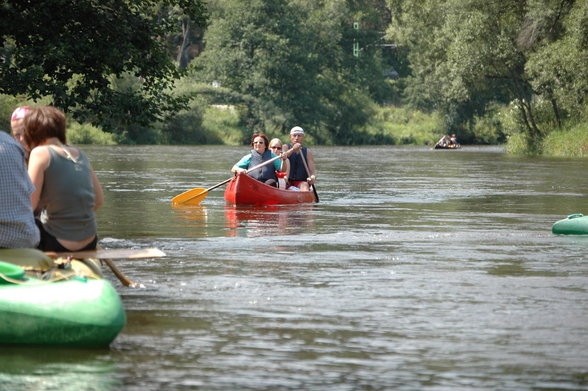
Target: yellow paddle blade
{"points": [[187, 195], [196, 199]]}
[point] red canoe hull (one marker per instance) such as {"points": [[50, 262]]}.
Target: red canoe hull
{"points": [[245, 190]]}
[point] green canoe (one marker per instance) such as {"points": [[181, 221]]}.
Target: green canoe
{"points": [[59, 303], [576, 224]]}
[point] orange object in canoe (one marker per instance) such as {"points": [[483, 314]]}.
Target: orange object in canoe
{"points": [[245, 190]]}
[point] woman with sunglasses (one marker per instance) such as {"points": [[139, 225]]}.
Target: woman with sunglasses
{"points": [[259, 154]]}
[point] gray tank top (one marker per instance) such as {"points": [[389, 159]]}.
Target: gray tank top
{"points": [[67, 198]]}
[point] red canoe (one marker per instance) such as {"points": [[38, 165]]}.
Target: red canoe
{"points": [[245, 190]]}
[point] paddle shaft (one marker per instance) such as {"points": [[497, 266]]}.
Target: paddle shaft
{"points": [[105, 256], [309, 174], [120, 275], [228, 180], [110, 253]]}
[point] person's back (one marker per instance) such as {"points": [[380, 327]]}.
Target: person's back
{"points": [[67, 191], [17, 223], [68, 214]]}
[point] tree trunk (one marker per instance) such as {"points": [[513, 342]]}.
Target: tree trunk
{"points": [[183, 57]]}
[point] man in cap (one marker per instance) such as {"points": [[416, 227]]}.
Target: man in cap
{"points": [[299, 176]]}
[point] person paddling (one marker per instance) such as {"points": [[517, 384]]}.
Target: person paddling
{"points": [[299, 176], [259, 154]]}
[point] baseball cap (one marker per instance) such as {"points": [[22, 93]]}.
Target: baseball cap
{"points": [[297, 130]]}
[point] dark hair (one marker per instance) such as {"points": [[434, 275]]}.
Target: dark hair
{"points": [[43, 122], [263, 136]]}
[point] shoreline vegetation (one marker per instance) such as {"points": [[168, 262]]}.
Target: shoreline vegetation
{"points": [[220, 125], [391, 72]]}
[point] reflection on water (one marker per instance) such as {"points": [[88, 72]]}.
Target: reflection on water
{"points": [[268, 220], [194, 215]]}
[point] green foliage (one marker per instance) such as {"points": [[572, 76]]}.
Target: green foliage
{"points": [[290, 62], [401, 125], [558, 67], [489, 128], [88, 134], [466, 56], [224, 122], [571, 143], [72, 50], [517, 144]]}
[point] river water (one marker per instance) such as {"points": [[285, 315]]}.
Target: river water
{"points": [[418, 270]]}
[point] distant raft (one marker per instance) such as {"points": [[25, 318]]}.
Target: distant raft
{"points": [[576, 224]]}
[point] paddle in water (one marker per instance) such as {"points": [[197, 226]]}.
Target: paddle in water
{"points": [[308, 172]]}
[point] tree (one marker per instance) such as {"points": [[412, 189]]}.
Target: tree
{"points": [[73, 50], [556, 37], [291, 63], [466, 55]]}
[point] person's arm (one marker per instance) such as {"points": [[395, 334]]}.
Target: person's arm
{"points": [[98, 193], [241, 165], [38, 163]]}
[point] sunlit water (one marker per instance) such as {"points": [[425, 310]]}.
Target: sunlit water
{"points": [[418, 269]]}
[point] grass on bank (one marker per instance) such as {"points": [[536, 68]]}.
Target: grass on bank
{"points": [[572, 143], [568, 143]]}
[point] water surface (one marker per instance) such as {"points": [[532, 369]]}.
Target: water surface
{"points": [[419, 269]]}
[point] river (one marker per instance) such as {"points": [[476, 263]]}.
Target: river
{"points": [[418, 270]]}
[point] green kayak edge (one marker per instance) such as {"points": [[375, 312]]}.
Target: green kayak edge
{"points": [[76, 311], [575, 224]]}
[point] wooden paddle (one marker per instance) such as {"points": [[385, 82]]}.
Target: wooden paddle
{"points": [[111, 253], [196, 195], [308, 172], [106, 255]]}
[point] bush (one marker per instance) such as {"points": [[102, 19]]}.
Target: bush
{"points": [[489, 128], [223, 121], [88, 134], [572, 143], [401, 125]]}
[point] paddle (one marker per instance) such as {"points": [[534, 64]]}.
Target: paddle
{"points": [[111, 253], [196, 195], [308, 172], [105, 256]]}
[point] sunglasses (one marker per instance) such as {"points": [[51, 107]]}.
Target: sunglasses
{"points": [[275, 147], [258, 142]]}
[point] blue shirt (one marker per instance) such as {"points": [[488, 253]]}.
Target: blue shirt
{"points": [[245, 160], [17, 223]]}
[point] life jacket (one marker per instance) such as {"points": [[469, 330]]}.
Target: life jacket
{"points": [[264, 173], [297, 169]]}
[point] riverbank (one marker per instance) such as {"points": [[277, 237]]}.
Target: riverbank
{"points": [[571, 143]]}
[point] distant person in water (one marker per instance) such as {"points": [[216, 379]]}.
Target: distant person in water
{"points": [[453, 140], [67, 192], [259, 154], [298, 176]]}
